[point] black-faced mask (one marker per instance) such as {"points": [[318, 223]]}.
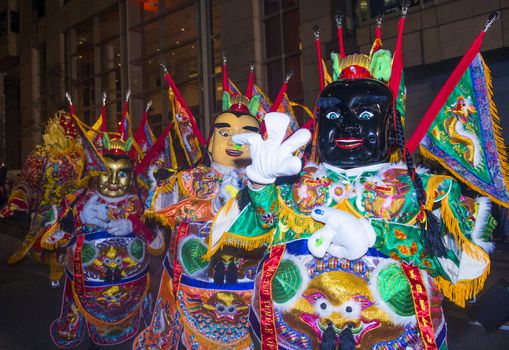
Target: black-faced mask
{"points": [[353, 123]]}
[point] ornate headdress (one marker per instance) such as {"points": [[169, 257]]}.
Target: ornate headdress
{"points": [[97, 142], [60, 134], [119, 143], [234, 101]]}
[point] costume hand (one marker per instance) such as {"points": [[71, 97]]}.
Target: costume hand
{"points": [[94, 213], [120, 227], [6, 212], [57, 236], [273, 158], [343, 236]]}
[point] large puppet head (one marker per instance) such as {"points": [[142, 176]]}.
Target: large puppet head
{"points": [[222, 150], [353, 122], [238, 116], [118, 181]]}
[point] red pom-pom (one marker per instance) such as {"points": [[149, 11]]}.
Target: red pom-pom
{"points": [[354, 72]]}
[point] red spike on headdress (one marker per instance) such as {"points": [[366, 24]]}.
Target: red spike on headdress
{"points": [[123, 125], [226, 85], [250, 81], [103, 113], [377, 43], [397, 62], [339, 25], [378, 29], [316, 32], [281, 94], [140, 136], [71, 106]]}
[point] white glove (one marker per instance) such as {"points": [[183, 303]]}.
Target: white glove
{"points": [[273, 158], [343, 236], [94, 213], [55, 237], [120, 227]]}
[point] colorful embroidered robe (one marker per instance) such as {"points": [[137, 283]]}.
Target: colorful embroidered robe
{"points": [[107, 276], [47, 177], [190, 308], [373, 295]]}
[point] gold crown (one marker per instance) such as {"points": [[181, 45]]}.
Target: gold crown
{"points": [[117, 145], [355, 59], [240, 99]]}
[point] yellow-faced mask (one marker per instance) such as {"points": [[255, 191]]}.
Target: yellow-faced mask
{"points": [[118, 181], [222, 149]]}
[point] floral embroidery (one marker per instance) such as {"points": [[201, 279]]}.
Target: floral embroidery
{"points": [[399, 234]]}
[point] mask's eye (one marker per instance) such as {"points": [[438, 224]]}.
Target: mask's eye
{"points": [[350, 309], [107, 261], [323, 308], [365, 115], [224, 133], [333, 116], [220, 308], [122, 174]]}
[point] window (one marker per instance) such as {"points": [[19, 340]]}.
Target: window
{"points": [[282, 46], [14, 21], [170, 34], [102, 56], [38, 9], [83, 71], [3, 23], [9, 22], [167, 35]]}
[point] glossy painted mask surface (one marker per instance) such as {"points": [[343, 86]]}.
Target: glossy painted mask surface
{"points": [[118, 181], [222, 149], [353, 123]]}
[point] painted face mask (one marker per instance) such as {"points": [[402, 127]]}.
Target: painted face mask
{"points": [[353, 123], [118, 181], [222, 149]]}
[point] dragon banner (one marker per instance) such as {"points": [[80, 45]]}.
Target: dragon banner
{"points": [[465, 136]]}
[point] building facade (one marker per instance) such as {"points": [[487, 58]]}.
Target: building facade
{"points": [[88, 47]]}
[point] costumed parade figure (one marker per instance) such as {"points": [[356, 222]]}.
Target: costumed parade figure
{"points": [[202, 303], [50, 172], [107, 275], [360, 250]]}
